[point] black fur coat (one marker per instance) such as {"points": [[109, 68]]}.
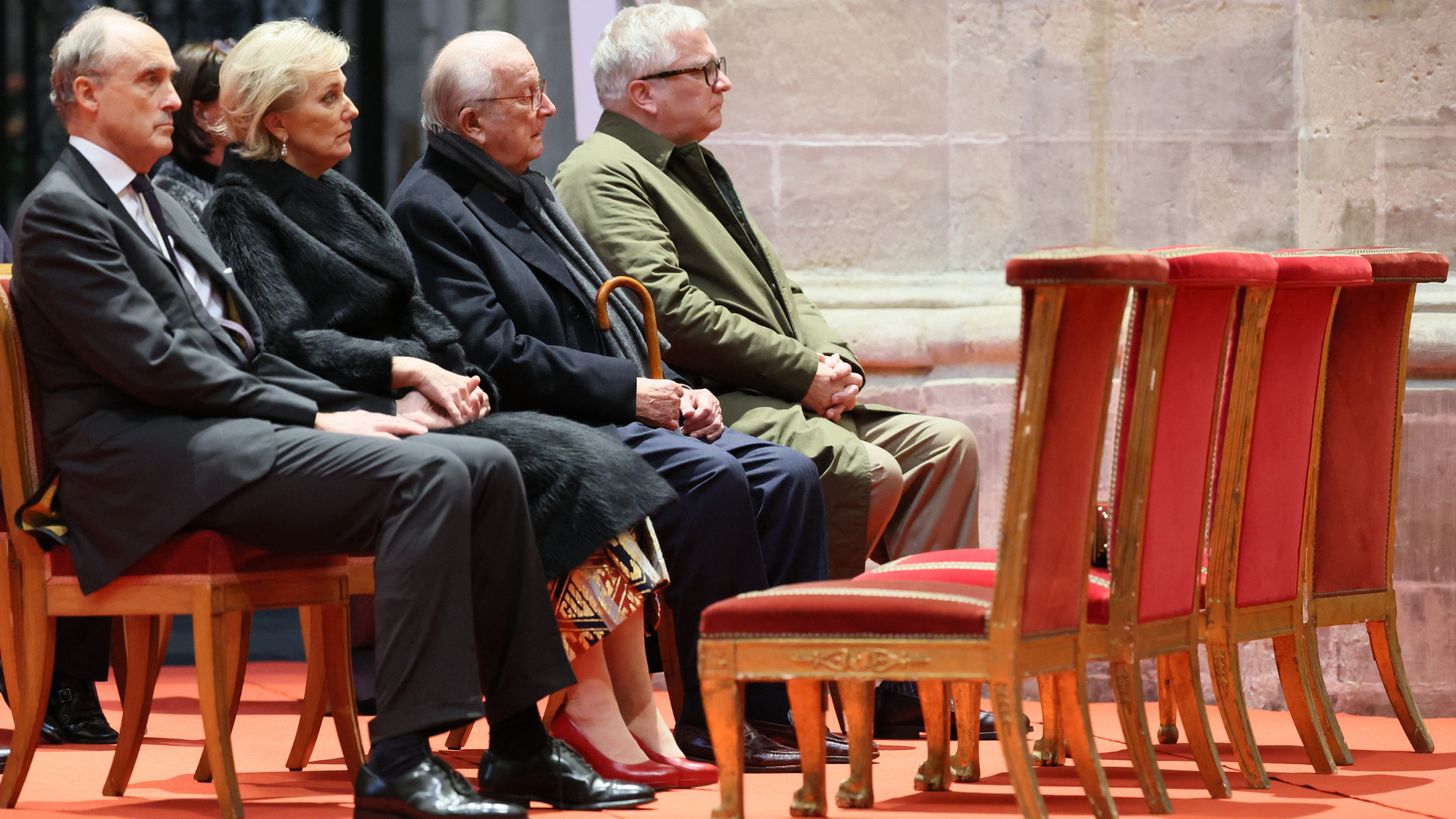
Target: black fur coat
{"points": [[334, 284]]}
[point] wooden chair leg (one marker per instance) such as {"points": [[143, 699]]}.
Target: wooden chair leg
{"points": [[208, 632], [1188, 692], [934, 773], [1127, 690], [1072, 697], [1228, 690], [1294, 679], [119, 655], [671, 667], [806, 698], [1051, 749], [37, 645], [339, 667], [965, 766], [838, 705], [554, 704], [1167, 713], [458, 737], [858, 791], [723, 702], [1020, 768], [10, 638], [1385, 645], [1324, 709], [238, 632], [315, 688], [140, 635]]}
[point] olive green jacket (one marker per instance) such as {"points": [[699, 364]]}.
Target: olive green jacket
{"points": [[737, 323]]}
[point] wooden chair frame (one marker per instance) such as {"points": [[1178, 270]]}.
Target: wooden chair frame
{"points": [[1226, 623], [1376, 608], [1001, 657], [1124, 641], [33, 597]]}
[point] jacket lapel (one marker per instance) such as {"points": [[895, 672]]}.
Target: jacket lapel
{"points": [[512, 230], [97, 188]]}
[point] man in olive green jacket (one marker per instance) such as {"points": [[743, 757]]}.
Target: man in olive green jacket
{"points": [[657, 206]]}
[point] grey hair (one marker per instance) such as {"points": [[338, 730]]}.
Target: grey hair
{"points": [[462, 72], [268, 70], [637, 43], [81, 51]]}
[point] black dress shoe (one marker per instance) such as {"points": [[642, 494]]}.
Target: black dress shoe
{"points": [[836, 746], [898, 716], [73, 715], [558, 776], [4, 758], [431, 788], [761, 754]]}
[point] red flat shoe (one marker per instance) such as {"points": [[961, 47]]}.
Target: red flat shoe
{"points": [[690, 774], [648, 773]]}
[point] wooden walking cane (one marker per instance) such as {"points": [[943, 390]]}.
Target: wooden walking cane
{"points": [[666, 630]]}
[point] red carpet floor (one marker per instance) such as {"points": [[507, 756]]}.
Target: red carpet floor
{"points": [[1387, 780]]}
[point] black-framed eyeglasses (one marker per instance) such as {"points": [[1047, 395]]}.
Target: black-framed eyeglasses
{"points": [[711, 69], [537, 94]]}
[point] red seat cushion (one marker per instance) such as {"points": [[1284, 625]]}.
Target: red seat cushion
{"points": [[202, 553], [1403, 264], [977, 567], [845, 608], [1321, 268], [1086, 265], [1197, 265]]}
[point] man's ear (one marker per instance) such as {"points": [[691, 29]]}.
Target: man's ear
{"points": [[470, 126], [640, 96], [86, 89]]}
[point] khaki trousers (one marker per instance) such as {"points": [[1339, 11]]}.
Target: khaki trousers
{"points": [[924, 479]]}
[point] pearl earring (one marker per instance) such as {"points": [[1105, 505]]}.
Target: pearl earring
{"points": [[284, 152]]}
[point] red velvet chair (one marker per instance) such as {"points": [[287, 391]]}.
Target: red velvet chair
{"points": [[1359, 476], [1148, 604], [1263, 522], [198, 573], [857, 632]]}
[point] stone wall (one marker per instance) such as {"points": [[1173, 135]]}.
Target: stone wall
{"points": [[898, 153]]}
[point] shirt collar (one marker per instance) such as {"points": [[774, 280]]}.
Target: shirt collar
{"points": [[113, 170], [654, 148]]}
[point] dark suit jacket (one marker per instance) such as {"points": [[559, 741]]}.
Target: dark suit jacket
{"points": [[150, 413], [521, 316]]}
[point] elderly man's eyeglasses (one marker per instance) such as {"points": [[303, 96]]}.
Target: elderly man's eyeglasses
{"points": [[711, 69], [536, 95]]}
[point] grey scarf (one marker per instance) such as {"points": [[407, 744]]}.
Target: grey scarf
{"points": [[536, 199]]}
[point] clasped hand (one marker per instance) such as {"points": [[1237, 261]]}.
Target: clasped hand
{"points": [[668, 405], [439, 399], [833, 390]]}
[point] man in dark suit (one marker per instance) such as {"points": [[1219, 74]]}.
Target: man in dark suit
{"points": [[162, 412], [750, 514]]}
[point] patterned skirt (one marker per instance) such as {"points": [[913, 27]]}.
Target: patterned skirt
{"points": [[612, 584]]}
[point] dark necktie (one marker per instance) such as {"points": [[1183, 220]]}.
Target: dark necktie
{"points": [[143, 186]]}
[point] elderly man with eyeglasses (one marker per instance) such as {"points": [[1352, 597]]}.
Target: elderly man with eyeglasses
{"points": [[657, 206]]}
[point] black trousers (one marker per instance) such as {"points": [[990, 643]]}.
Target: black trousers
{"points": [[750, 515], [460, 600]]}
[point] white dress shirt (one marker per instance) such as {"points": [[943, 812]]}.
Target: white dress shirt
{"points": [[118, 177]]}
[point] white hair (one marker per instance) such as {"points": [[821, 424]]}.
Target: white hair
{"points": [[638, 42], [81, 51], [268, 70], [463, 72]]}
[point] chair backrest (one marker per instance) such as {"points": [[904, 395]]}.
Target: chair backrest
{"points": [[1176, 366], [1360, 449], [1278, 485], [1072, 307], [19, 433]]}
